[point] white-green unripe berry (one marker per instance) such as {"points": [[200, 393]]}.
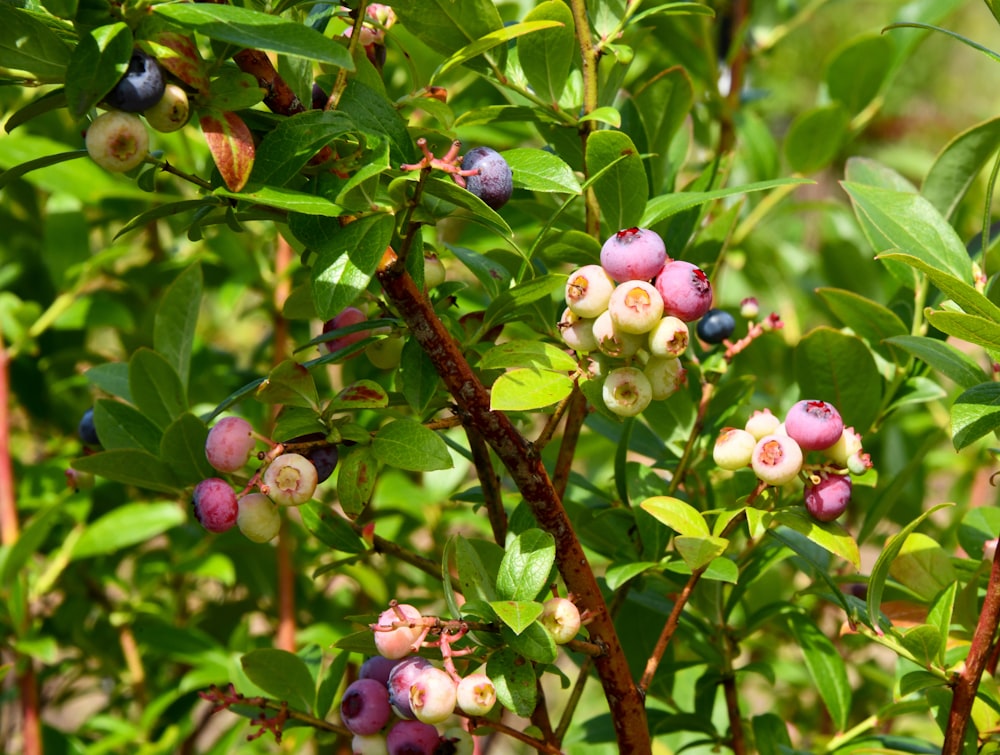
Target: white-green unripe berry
{"points": [[258, 517], [290, 480], [762, 422], [577, 332], [733, 448], [588, 291], [614, 341], [562, 618], [635, 307], [627, 391], [669, 337], [777, 459], [665, 375]]}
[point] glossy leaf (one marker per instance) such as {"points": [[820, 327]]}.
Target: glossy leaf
{"points": [[830, 536], [112, 378], [529, 388], [419, 378], [130, 466], [446, 26], [97, 63], [546, 56], [622, 189], [248, 28], [490, 41], [825, 665], [517, 614], [535, 643], [121, 425], [291, 384], [961, 292], [678, 515], [697, 552], [347, 260], [971, 328], [230, 142], [524, 353], [514, 680], [538, 170], [858, 70], [662, 207], [290, 145], [478, 563], [183, 443], [356, 479], [943, 357], [125, 526], [525, 568], [27, 43], [958, 164], [406, 444], [331, 529], [510, 305], [975, 413], [869, 319], [156, 387], [281, 675]]}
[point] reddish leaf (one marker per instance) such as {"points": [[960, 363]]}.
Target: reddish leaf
{"points": [[232, 147], [179, 55]]}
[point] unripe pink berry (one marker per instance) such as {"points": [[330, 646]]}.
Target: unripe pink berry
{"points": [[350, 316], [433, 695], [588, 291], [627, 391], [777, 459], [762, 422], [686, 290], [614, 341], [290, 480], [828, 499], [258, 517], [733, 448], [401, 680], [633, 254], [669, 338], [476, 694], [434, 272], [397, 642], [229, 444], [215, 504], [635, 306], [814, 425], [562, 618], [749, 308], [665, 375]]}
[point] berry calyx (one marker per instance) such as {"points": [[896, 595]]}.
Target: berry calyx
{"points": [[814, 425], [669, 338], [117, 141], [215, 505], [776, 459], [827, 499], [634, 254], [229, 444], [762, 422], [290, 480]]}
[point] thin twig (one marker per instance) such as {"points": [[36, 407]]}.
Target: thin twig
{"points": [[490, 484], [576, 414]]}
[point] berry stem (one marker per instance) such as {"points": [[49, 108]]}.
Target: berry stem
{"points": [[588, 58]]}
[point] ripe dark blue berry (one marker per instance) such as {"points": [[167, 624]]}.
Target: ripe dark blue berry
{"points": [[716, 326], [324, 458], [494, 182], [141, 87], [86, 429]]}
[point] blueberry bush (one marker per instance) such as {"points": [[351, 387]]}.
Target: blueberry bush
{"points": [[570, 376]]}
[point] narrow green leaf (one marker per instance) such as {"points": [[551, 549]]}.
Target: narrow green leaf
{"points": [[478, 563], [406, 444], [995, 57], [880, 571], [681, 517], [446, 26], [282, 675], [538, 170], [28, 43], [962, 293], [331, 529], [940, 616], [829, 536], [130, 466], [289, 200], [525, 353], [959, 164], [176, 320], [529, 388], [972, 328], [621, 574], [517, 614], [869, 319], [31, 538], [332, 679], [127, 525], [252, 29], [623, 189], [418, 376], [662, 207], [450, 192], [21, 169], [510, 305], [943, 357], [975, 413], [699, 551], [546, 57], [488, 42], [167, 210], [825, 666], [525, 568], [156, 387]]}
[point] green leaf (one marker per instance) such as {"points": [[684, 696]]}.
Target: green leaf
{"points": [[923, 566], [418, 376], [815, 137], [347, 260], [97, 63], [332, 678], [248, 28], [31, 538], [446, 26], [289, 200], [858, 69], [538, 170], [478, 563], [962, 293], [546, 56], [356, 480], [977, 330], [289, 383], [406, 444], [281, 675], [940, 616], [836, 367], [959, 164], [525, 568], [517, 614], [535, 643], [909, 223], [514, 679], [130, 466], [681, 517], [622, 190], [699, 551], [943, 357], [975, 413], [176, 320], [183, 447], [373, 114], [606, 115], [28, 43], [156, 387], [361, 394], [621, 574], [524, 353], [488, 42], [450, 192], [662, 207], [331, 529], [826, 667], [510, 305], [869, 319], [880, 571], [290, 145], [120, 425], [127, 525], [923, 642], [829, 536], [529, 388]]}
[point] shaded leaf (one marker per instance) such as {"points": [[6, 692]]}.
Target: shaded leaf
{"points": [[282, 675], [975, 413], [125, 526]]}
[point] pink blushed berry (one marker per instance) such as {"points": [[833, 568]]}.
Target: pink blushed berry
{"points": [[686, 290], [577, 332], [433, 695], [349, 316], [814, 425], [412, 738], [476, 694], [776, 459], [635, 306], [588, 291], [365, 708], [401, 680], [633, 254], [749, 308], [733, 448], [229, 444], [215, 504], [827, 499], [290, 480], [397, 642], [762, 422]]}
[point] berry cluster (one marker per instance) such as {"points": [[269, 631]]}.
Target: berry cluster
{"points": [[776, 451], [615, 309], [117, 140], [287, 479]]}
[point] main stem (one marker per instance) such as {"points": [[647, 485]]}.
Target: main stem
{"points": [[524, 464], [966, 683]]}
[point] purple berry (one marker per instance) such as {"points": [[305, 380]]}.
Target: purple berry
{"points": [[814, 425], [229, 444], [141, 87], [378, 668], [716, 326], [401, 680], [365, 708], [776, 459], [215, 505], [319, 97], [686, 290], [634, 254], [86, 429], [828, 499], [494, 182], [350, 316], [412, 738], [324, 458]]}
